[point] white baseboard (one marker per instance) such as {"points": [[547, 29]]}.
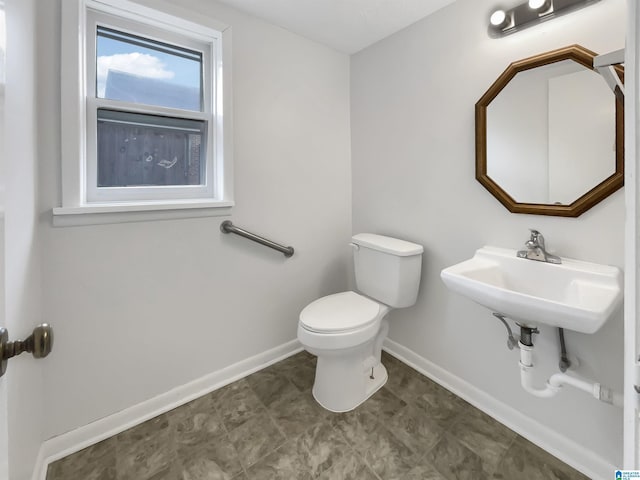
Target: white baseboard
{"points": [[571, 453], [75, 440]]}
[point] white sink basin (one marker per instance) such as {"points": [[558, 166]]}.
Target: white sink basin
{"points": [[576, 295]]}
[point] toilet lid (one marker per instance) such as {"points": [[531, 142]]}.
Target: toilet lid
{"points": [[339, 312]]}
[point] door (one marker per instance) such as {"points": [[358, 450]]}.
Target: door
{"points": [[632, 243], [4, 440], [22, 387]]}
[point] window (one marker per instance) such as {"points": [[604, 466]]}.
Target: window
{"points": [[142, 120]]}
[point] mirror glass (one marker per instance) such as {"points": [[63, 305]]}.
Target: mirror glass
{"points": [[549, 135]]}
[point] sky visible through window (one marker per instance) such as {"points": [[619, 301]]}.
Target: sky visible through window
{"points": [[156, 67]]}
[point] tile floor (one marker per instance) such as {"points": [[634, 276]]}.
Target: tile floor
{"points": [[268, 426]]}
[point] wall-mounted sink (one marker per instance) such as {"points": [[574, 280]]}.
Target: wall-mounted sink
{"points": [[576, 295]]}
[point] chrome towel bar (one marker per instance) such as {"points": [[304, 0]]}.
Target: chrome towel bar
{"points": [[228, 227]]}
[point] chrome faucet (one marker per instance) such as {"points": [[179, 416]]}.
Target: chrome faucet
{"points": [[536, 250]]}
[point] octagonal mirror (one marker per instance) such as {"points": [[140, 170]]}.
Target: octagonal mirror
{"points": [[550, 135]]}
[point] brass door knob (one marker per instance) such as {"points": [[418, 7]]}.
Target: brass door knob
{"points": [[39, 344]]}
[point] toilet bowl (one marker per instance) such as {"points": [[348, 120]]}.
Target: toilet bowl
{"points": [[346, 330]]}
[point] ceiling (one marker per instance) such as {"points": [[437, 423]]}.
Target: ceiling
{"points": [[345, 25]]}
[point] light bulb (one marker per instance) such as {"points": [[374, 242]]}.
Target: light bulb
{"points": [[539, 4], [498, 18]]}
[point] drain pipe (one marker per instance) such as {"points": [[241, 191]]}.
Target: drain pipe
{"points": [[557, 380]]}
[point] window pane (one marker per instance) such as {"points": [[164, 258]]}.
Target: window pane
{"points": [[137, 150], [135, 69]]}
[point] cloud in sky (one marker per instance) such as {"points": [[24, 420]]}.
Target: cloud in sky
{"points": [[141, 64]]}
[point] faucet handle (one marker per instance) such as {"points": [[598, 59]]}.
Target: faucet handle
{"points": [[537, 238]]}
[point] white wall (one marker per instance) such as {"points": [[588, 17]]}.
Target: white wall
{"points": [[22, 265], [140, 308], [413, 97]]}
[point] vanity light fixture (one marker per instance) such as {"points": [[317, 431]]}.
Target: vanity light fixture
{"points": [[531, 13]]}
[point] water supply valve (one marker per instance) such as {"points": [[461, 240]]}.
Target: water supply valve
{"points": [[511, 340]]}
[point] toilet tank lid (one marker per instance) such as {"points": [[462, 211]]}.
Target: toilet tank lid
{"points": [[394, 246]]}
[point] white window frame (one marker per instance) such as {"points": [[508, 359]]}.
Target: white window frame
{"points": [[79, 106]]}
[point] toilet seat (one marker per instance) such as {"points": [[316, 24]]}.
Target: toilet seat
{"points": [[339, 313], [339, 321]]}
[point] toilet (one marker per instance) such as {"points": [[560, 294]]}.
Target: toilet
{"points": [[346, 330]]}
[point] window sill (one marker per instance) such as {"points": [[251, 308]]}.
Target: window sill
{"points": [[103, 213]]}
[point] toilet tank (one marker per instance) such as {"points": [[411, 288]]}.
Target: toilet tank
{"points": [[387, 269]]}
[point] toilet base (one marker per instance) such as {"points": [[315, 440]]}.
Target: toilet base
{"points": [[339, 397]]}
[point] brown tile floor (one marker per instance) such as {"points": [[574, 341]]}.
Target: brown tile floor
{"points": [[268, 426]]}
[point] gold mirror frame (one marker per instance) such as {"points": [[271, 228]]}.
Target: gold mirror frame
{"points": [[601, 191]]}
